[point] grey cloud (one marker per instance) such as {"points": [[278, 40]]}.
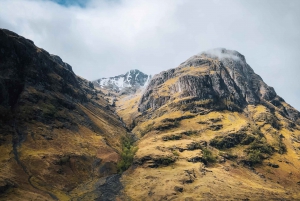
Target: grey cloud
{"points": [[110, 37]]}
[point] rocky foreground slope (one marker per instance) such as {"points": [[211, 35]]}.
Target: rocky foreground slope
{"points": [[211, 129], [59, 138]]}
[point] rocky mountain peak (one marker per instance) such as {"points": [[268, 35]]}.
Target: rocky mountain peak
{"points": [[234, 64], [232, 59], [220, 77], [133, 78]]}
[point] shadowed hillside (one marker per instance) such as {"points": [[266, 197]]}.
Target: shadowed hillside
{"points": [[58, 136]]}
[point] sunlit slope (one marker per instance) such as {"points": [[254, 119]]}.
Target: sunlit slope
{"points": [[224, 144]]}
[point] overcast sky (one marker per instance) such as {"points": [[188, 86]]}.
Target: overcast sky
{"points": [[101, 38]]}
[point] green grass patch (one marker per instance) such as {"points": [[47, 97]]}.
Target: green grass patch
{"points": [[175, 153], [258, 151], [127, 154], [208, 156]]}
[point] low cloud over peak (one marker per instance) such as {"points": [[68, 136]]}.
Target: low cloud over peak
{"points": [[223, 53]]}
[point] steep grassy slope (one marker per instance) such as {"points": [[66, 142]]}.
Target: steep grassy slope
{"points": [[58, 136], [212, 130]]}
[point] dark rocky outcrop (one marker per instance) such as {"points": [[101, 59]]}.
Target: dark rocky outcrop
{"points": [[154, 161], [178, 189], [110, 189], [231, 140], [22, 63], [5, 185]]}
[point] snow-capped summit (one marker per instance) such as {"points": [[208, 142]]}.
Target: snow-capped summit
{"points": [[133, 78]]}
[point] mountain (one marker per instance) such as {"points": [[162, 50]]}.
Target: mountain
{"points": [[211, 129], [224, 79], [133, 78], [59, 138]]}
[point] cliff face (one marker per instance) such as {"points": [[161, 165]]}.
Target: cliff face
{"points": [[23, 64], [221, 77], [56, 131]]}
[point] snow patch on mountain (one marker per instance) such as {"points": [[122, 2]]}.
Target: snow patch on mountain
{"points": [[133, 78]]}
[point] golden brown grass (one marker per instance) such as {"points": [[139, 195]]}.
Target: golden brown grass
{"points": [[221, 181]]}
